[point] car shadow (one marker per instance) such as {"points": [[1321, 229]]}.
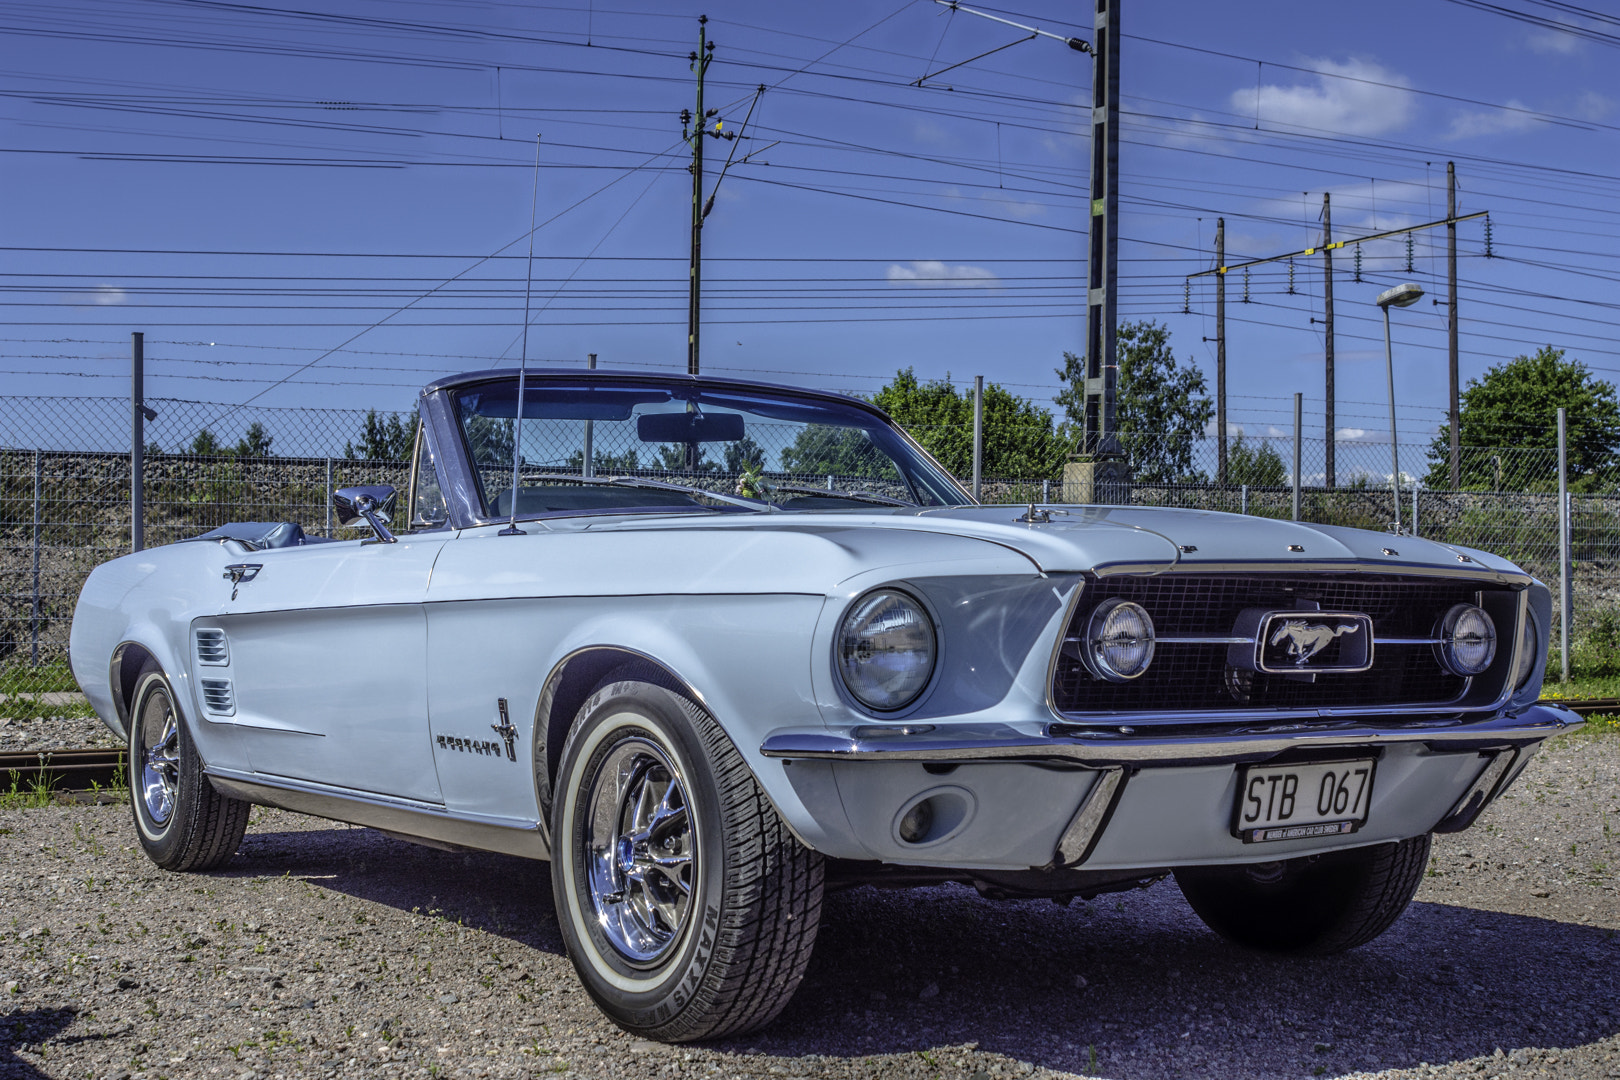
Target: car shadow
{"points": [[1127, 985], [498, 894], [29, 1028]]}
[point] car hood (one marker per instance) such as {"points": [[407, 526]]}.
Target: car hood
{"points": [[1109, 540]]}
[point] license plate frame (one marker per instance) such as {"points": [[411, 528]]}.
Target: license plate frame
{"points": [[1295, 812]]}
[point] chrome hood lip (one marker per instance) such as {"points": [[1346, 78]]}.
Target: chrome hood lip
{"points": [[1112, 540]]}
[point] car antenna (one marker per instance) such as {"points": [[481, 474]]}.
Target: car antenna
{"points": [[523, 354]]}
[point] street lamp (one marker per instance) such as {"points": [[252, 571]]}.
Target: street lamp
{"points": [[1400, 296]]}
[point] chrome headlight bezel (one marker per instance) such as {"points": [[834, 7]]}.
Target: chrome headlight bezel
{"points": [[1465, 629], [1100, 655], [1529, 644], [859, 668]]}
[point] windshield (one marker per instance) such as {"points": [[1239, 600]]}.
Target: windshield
{"points": [[601, 448]]}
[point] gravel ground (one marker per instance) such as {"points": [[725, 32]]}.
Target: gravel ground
{"points": [[55, 733], [324, 950]]}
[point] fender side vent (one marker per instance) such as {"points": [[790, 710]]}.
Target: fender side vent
{"points": [[211, 647], [217, 696]]}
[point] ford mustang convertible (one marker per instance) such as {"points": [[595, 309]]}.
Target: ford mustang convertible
{"points": [[713, 647]]}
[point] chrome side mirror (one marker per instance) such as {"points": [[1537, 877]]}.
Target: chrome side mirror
{"points": [[366, 505]]}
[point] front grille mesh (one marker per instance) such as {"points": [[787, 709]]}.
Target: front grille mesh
{"points": [[1194, 677]]}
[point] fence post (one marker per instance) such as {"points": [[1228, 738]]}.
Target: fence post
{"points": [[1414, 507], [1564, 583], [1299, 430], [978, 433], [588, 457], [329, 496], [1244, 503], [1046, 491], [33, 649], [137, 441]]}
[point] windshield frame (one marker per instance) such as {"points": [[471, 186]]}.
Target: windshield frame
{"points": [[464, 490]]}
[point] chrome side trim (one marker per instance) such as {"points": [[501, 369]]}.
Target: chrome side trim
{"points": [[426, 821], [1086, 827], [1258, 738], [1216, 639]]}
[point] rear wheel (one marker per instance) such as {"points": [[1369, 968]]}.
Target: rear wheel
{"points": [[1310, 906], [687, 907], [182, 822]]}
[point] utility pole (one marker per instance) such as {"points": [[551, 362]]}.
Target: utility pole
{"points": [[1220, 351], [700, 64], [1327, 301], [1451, 318], [1102, 303]]}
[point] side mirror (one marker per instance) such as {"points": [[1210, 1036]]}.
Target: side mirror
{"points": [[366, 505]]}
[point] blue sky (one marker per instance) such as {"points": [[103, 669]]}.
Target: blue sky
{"points": [[255, 186]]}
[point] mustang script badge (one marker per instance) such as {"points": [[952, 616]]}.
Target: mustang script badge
{"points": [[1306, 639]]}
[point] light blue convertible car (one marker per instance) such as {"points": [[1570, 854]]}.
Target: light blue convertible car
{"points": [[713, 647]]}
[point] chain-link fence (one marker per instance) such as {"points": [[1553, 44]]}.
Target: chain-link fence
{"points": [[65, 495]]}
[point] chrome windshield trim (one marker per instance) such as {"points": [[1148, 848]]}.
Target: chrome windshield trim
{"points": [[1004, 742]]}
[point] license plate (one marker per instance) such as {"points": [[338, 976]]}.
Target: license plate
{"points": [[1296, 802]]}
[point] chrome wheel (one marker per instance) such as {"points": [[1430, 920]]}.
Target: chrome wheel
{"points": [[640, 851], [159, 758]]}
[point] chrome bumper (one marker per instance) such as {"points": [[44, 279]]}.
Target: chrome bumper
{"points": [[1101, 746]]}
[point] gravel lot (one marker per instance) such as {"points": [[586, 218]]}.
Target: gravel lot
{"points": [[324, 950]]}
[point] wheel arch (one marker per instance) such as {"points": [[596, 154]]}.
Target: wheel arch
{"points": [[571, 681], [123, 673]]}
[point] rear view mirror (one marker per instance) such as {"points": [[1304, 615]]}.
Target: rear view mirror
{"points": [[366, 505], [684, 427]]}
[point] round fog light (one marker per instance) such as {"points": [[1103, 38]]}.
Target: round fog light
{"points": [[1467, 640], [1119, 640], [917, 821]]}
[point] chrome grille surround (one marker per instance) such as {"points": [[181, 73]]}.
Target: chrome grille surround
{"points": [[1196, 615]]}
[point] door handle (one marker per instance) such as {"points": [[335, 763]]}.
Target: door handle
{"points": [[237, 573]]}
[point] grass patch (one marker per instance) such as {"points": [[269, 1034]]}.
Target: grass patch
{"points": [[25, 678], [26, 707], [31, 796]]}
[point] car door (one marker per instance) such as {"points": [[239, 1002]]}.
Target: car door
{"points": [[327, 655]]}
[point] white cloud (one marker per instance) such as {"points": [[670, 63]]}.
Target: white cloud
{"points": [[100, 296], [1593, 106], [1356, 97], [934, 272], [1516, 116], [1352, 434], [1556, 42]]}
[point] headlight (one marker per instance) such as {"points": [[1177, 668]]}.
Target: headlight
{"points": [[886, 650], [1529, 645], [1119, 640], [1467, 640]]}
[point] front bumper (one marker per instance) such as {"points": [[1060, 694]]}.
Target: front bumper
{"points": [[1058, 795]]}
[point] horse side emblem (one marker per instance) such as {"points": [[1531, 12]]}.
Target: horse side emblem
{"points": [[1306, 639]]}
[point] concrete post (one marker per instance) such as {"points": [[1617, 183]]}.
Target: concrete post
{"points": [[137, 441], [1299, 429], [1565, 601], [978, 434]]}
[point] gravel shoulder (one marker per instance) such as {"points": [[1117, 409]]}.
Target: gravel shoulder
{"points": [[326, 950]]}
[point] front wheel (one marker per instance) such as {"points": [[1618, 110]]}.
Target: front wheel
{"points": [[1314, 905], [182, 822], [688, 909]]}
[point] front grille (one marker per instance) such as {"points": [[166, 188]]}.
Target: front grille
{"points": [[211, 646], [217, 696], [1196, 677]]}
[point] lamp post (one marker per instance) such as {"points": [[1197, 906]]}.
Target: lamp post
{"points": [[1400, 296]]}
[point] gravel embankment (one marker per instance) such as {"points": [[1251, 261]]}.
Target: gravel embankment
{"points": [[55, 733], [324, 950]]}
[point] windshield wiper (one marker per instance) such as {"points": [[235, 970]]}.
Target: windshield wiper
{"points": [[856, 496], [757, 505]]}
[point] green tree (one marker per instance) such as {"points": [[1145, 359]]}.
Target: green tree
{"points": [[744, 455], [1255, 464], [390, 438], [1514, 406], [255, 443], [1161, 408], [205, 445], [1019, 437], [826, 449]]}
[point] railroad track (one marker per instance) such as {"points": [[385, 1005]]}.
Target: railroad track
{"points": [[62, 770], [88, 769]]}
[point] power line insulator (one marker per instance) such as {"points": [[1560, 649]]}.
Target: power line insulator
{"points": [[1291, 277], [1358, 264], [1408, 253], [1488, 252], [1186, 296], [1245, 284]]}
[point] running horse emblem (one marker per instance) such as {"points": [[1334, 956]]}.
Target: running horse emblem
{"points": [[1305, 639]]}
